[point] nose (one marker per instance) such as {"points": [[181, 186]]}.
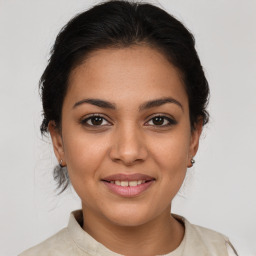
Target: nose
{"points": [[128, 146]]}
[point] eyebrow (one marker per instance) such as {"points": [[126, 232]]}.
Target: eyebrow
{"points": [[159, 102], [96, 102], [109, 105]]}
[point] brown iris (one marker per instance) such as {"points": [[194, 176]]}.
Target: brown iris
{"points": [[158, 120], [96, 120]]}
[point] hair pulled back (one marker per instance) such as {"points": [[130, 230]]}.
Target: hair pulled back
{"points": [[121, 24]]}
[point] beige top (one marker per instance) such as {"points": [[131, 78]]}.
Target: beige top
{"points": [[73, 240]]}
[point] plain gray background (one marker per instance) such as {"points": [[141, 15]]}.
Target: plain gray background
{"points": [[220, 191]]}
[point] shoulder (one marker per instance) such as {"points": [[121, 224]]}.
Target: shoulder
{"points": [[206, 234], [54, 245], [72, 240], [205, 241], [215, 241]]}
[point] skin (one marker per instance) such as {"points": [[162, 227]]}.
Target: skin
{"points": [[127, 141]]}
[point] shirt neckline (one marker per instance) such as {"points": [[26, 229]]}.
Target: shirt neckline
{"points": [[88, 244]]}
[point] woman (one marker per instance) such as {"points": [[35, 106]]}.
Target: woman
{"points": [[124, 98]]}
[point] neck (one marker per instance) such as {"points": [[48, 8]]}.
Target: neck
{"points": [[158, 236]]}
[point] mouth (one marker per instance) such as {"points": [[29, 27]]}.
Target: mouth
{"points": [[128, 185], [125, 183]]}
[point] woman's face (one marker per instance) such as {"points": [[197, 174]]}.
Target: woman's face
{"points": [[126, 136]]}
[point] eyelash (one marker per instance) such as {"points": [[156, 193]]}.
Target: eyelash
{"points": [[170, 121]]}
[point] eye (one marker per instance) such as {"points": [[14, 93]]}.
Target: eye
{"points": [[95, 120], [161, 121]]}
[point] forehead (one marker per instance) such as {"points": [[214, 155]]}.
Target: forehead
{"points": [[125, 74]]}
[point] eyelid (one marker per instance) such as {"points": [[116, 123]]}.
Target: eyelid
{"points": [[84, 120], [170, 119]]}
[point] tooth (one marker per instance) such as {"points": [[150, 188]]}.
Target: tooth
{"points": [[113, 182], [118, 182], [133, 183], [143, 181], [139, 182], [124, 183]]}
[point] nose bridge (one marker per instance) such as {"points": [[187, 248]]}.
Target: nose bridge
{"points": [[128, 143]]}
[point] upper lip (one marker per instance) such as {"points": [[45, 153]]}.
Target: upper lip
{"points": [[128, 177]]}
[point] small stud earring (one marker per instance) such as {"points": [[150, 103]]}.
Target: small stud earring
{"points": [[192, 161], [60, 163]]}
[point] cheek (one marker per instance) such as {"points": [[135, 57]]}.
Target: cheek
{"points": [[84, 154], [170, 155], [171, 152]]}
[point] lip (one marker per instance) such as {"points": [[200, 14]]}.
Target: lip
{"points": [[128, 191], [128, 177]]}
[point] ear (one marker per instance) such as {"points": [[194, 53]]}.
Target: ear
{"points": [[57, 142], [194, 141]]}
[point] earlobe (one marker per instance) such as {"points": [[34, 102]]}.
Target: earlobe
{"points": [[191, 163], [194, 142], [56, 142]]}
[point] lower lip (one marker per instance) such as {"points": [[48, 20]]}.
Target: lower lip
{"points": [[128, 191]]}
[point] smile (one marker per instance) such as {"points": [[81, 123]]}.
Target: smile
{"points": [[128, 185], [132, 183]]}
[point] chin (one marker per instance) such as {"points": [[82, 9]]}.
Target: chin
{"points": [[129, 216]]}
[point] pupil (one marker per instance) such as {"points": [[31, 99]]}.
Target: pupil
{"points": [[158, 120], [96, 120]]}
